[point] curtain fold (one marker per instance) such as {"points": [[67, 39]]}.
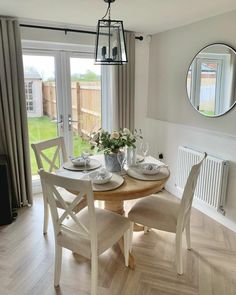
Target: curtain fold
{"points": [[124, 79], [13, 116]]}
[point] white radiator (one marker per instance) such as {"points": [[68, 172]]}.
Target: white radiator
{"points": [[212, 181]]}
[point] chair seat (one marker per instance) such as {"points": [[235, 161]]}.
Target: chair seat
{"points": [[156, 212], [110, 228]]}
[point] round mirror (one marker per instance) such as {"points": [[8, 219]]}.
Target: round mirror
{"points": [[211, 80]]}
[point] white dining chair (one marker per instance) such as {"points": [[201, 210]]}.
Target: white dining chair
{"points": [[49, 154], [90, 232], [168, 215]]}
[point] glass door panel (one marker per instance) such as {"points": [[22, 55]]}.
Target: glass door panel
{"points": [[41, 101], [85, 101], [208, 83]]}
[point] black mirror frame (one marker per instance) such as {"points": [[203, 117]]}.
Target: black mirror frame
{"points": [[215, 116]]}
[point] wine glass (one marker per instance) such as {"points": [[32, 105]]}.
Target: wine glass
{"points": [[121, 158], [85, 155], [144, 148]]}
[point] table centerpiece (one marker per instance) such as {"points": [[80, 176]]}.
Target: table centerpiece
{"points": [[113, 143]]}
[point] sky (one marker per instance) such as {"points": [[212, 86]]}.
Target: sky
{"points": [[45, 65]]}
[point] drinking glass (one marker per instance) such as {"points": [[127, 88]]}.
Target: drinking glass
{"points": [[85, 155], [144, 148], [121, 158]]}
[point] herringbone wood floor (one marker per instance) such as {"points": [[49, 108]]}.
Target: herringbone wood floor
{"points": [[26, 262]]}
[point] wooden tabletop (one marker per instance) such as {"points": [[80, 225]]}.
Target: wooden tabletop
{"points": [[132, 189]]}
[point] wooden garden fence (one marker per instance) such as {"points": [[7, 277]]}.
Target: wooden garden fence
{"points": [[86, 105]]}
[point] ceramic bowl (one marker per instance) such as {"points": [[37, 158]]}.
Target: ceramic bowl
{"points": [[79, 161], [149, 168], [100, 176]]}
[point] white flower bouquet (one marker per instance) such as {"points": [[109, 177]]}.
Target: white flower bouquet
{"points": [[114, 141]]}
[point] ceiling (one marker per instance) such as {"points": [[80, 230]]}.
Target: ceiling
{"points": [[150, 16]]}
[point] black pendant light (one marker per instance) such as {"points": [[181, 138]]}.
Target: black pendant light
{"points": [[110, 42]]}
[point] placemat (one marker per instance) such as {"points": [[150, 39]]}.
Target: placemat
{"points": [[115, 182], [93, 164], [136, 173]]}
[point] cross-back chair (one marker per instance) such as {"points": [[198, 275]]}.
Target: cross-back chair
{"points": [[90, 232], [168, 215], [49, 155]]}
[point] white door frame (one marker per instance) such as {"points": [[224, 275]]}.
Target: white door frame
{"points": [[62, 54]]}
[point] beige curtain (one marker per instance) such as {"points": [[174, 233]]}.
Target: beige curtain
{"points": [[13, 118], [124, 79]]}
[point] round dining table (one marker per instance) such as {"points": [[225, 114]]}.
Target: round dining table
{"points": [[130, 189]]}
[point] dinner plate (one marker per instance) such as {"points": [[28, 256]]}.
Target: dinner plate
{"points": [[115, 182], [135, 172], [93, 164]]}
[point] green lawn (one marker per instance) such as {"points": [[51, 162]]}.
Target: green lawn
{"points": [[43, 128], [208, 113]]}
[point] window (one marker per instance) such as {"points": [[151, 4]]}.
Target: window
{"points": [[29, 96], [206, 81]]}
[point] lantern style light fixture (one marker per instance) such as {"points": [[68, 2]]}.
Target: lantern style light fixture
{"points": [[110, 42]]}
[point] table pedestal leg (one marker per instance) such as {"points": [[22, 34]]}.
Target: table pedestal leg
{"points": [[115, 206], [118, 207]]}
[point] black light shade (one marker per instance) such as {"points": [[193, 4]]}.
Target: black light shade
{"points": [[110, 43]]}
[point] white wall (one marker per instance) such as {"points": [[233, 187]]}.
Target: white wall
{"points": [[141, 81], [56, 36], [171, 53], [164, 112]]}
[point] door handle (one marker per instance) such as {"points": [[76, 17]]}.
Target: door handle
{"points": [[70, 122]]}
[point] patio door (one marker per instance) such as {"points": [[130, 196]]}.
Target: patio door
{"points": [[85, 101], [44, 108], [63, 98]]}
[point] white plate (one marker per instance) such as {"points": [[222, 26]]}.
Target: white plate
{"points": [[97, 178], [136, 173], [93, 164], [115, 182]]}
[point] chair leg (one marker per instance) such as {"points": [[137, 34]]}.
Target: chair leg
{"points": [[178, 246], [131, 229], [126, 246], [57, 266], [187, 233], [94, 274], [45, 218]]}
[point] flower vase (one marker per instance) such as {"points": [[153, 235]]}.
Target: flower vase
{"points": [[111, 162]]}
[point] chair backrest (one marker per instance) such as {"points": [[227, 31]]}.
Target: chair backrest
{"points": [[52, 184], [49, 153], [188, 194]]}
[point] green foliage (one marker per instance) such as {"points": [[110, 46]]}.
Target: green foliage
{"points": [[208, 113], [113, 142], [89, 76], [43, 128]]}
